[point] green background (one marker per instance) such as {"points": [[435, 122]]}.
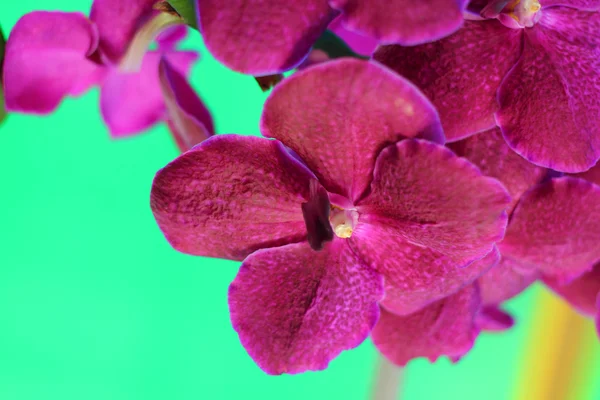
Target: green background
{"points": [[96, 305]]}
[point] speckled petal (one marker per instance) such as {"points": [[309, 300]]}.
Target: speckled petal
{"points": [[230, 196], [491, 154], [493, 319], [46, 60], [504, 281], [337, 117], [550, 102], [444, 328], [296, 309], [405, 22], [582, 292], [191, 119], [436, 200], [589, 5], [555, 229], [262, 37], [361, 44], [460, 74], [117, 21], [132, 102]]}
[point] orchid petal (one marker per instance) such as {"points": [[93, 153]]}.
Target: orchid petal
{"points": [[361, 44], [332, 112], [460, 73], [582, 292], [230, 196], [296, 309], [504, 281], [583, 5], [444, 328], [493, 319]]}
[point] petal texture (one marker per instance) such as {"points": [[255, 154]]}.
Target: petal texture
{"points": [[191, 119], [460, 73], [554, 228], [337, 117], [550, 102], [132, 102], [504, 281], [589, 5], [361, 44], [445, 328], [296, 309], [262, 37], [405, 22], [46, 60], [231, 196], [491, 154], [117, 22], [582, 292]]}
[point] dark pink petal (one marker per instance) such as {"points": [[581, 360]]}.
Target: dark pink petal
{"points": [[262, 37], [296, 309], [585, 5], [491, 154], [117, 22], [582, 292], [170, 38], [230, 196], [337, 117], [504, 281], [444, 328], [555, 229], [493, 319], [460, 74], [435, 200], [361, 44], [191, 119], [405, 22], [132, 102], [549, 111], [46, 60], [592, 175]]}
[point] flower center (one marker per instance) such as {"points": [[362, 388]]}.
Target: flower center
{"points": [[524, 14], [343, 221]]}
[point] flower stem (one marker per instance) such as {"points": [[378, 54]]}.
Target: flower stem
{"points": [[388, 380]]}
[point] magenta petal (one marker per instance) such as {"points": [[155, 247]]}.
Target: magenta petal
{"points": [[592, 175], [460, 74], [117, 22], [361, 44], [296, 309], [491, 154], [504, 281], [337, 117], [584, 5], [262, 37], [444, 328], [132, 102], [406, 22], [582, 292], [190, 118], [549, 110], [230, 196], [555, 229], [493, 319], [170, 38], [46, 60]]}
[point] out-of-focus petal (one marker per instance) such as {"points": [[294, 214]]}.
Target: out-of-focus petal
{"points": [[504, 281], [262, 37], [46, 60], [406, 22], [460, 74], [296, 309], [584, 5], [132, 102], [582, 292], [493, 319], [190, 117], [170, 38], [117, 22], [361, 44], [555, 229], [337, 117], [549, 111], [491, 154], [230, 196], [444, 328]]}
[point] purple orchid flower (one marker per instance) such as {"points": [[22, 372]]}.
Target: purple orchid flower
{"points": [[533, 70], [51, 55], [264, 37], [386, 209]]}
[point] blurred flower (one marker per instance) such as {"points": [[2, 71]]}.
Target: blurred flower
{"points": [[51, 55], [261, 37], [534, 70], [407, 216]]}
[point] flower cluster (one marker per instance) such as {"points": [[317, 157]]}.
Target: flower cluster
{"points": [[407, 182]]}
